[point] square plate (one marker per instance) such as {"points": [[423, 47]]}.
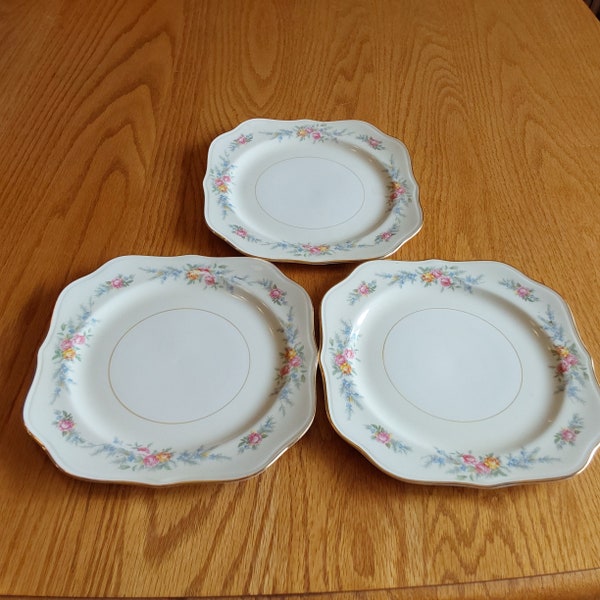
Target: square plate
{"points": [[169, 370], [458, 373], [313, 192]]}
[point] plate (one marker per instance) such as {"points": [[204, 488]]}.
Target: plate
{"points": [[163, 370], [464, 373], [313, 192]]}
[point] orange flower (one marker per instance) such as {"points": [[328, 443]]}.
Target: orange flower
{"points": [[69, 354], [492, 463], [562, 351], [193, 274], [346, 368], [428, 277], [163, 457], [289, 353]]}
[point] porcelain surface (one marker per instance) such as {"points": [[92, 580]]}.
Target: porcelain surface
{"points": [[458, 373], [307, 191], [162, 370]]}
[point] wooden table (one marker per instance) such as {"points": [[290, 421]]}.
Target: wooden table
{"points": [[107, 110]]}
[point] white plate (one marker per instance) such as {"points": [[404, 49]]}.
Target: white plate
{"points": [[458, 373], [167, 370], [306, 191]]}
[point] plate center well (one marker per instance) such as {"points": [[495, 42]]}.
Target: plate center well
{"points": [[179, 365], [309, 192], [452, 365]]}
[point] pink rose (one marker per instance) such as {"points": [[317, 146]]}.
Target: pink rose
{"points": [[241, 232], [386, 235], [66, 424], [150, 461], [66, 344], [571, 359], [349, 354], [285, 370], [482, 468], [436, 273], [363, 289], [79, 339], [117, 282], [568, 435], [383, 436], [242, 139], [276, 293], [340, 359], [296, 361], [523, 292], [563, 366], [445, 281], [254, 438], [209, 279], [469, 459], [316, 135]]}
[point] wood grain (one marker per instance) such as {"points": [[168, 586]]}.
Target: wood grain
{"points": [[106, 114]]}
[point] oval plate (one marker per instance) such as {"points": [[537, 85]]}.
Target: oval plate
{"points": [[458, 373], [168, 370], [313, 192]]}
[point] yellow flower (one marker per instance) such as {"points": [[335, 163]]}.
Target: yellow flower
{"points": [[562, 351], [492, 462], [163, 457], [222, 187], [69, 354], [193, 274], [428, 277], [302, 133], [289, 353], [345, 368]]}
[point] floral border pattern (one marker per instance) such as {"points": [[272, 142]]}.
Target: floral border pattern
{"points": [[466, 466], [567, 436], [383, 436], [133, 456], [361, 291], [342, 351], [445, 277], [569, 371], [519, 289], [253, 440], [74, 335]]}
